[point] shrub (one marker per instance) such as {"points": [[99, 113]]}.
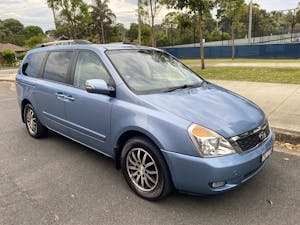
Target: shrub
{"points": [[34, 41], [9, 56]]}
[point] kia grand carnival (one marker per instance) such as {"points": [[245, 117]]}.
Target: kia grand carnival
{"points": [[165, 127]]}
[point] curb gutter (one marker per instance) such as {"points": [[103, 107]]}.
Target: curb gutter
{"points": [[286, 136]]}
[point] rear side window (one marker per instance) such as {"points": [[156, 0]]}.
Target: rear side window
{"points": [[32, 64], [57, 66]]}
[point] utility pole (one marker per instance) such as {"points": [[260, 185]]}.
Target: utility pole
{"points": [[250, 22], [293, 24], [140, 23]]}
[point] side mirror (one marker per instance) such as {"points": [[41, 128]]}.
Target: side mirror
{"points": [[98, 86]]}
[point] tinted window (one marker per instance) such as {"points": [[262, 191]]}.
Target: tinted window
{"points": [[89, 67], [32, 64], [57, 65]]}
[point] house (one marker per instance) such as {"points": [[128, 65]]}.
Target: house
{"points": [[17, 49]]}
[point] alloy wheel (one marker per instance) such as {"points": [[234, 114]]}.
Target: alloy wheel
{"points": [[142, 169], [31, 121]]}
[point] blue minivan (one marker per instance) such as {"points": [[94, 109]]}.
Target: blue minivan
{"points": [[165, 127]]}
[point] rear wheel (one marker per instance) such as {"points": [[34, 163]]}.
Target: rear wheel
{"points": [[145, 169], [33, 125]]}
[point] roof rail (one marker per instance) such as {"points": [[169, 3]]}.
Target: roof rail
{"points": [[65, 42], [129, 43], [122, 43]]}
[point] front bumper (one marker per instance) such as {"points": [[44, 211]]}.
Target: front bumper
{"points": [[195, 174]]}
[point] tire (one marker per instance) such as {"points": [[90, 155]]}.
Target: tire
{"points": [[33, 125], [145, 169]]}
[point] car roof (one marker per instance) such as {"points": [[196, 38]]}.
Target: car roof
{"points": [[101, 47]]}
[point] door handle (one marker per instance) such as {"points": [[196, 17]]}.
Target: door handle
{"points": [[60, 96], [69, 98]]}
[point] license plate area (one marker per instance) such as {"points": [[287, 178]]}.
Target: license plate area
{"points": [[266, 155]]}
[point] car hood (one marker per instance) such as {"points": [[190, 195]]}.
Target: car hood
{"points": [[212, 107]]}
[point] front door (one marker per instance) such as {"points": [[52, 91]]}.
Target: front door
{"points": [[88, 114]]}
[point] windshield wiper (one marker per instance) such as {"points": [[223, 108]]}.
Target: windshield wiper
{"points": [[185, 86]]}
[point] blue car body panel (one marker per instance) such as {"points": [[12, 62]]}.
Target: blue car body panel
{"points": [[194, 174], [98, 121], [212, 107]]}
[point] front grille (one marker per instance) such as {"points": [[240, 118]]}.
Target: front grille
{"points": [[253, 138]]}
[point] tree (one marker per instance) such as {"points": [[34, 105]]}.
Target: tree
{"points": [[53, 5], [201, 8], [4, 32], [232, 10], [12, 31], [132, 33], [72, 16], [170, 23], [150, 9], [298, 16], [34, 41], [216, 35], [14, 26], [116, 33], [102, 17], [31, 31]]}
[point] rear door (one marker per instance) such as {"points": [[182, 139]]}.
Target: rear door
{"points": [[88, 115], [50, 91]]}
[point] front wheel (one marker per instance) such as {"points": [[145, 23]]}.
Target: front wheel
{"points": [[145, 169]]}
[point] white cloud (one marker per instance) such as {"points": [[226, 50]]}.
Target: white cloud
{"points": [[271, 5], [29, 12]]}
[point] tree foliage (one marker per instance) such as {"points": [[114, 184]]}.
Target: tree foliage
{"points": [[77, 20], [199, 8], [71, 17], [102, 17], [132, 34], [34, 41], [233, 11], [31, 31], [13, 31], [150, 9]]}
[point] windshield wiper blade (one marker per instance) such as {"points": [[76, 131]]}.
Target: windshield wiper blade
{"points": [[185, 86]]}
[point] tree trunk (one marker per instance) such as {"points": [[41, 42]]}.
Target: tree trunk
{"points": [[232, 44], [201, 43], [153, 42], [54, 17], [100, 36], [102, 33]]}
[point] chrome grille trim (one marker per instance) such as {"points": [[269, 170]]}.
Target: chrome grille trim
{"points": [[234, 140]]}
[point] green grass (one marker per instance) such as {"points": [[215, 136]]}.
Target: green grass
{"points": [[270, 75], [7, 67], [213, 61]]}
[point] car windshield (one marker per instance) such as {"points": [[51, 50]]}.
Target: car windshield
{"points": [[151, 71]]}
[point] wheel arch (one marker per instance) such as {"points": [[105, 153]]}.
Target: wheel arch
{"points": [[23, 104], [124, 136]]}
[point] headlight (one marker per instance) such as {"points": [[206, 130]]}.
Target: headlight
{"points": [[209, 143]]}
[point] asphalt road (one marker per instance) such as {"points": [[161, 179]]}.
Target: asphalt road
{"points": [[57, 181]]}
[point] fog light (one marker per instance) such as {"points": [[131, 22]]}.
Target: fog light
{"points": [[218, 184]]}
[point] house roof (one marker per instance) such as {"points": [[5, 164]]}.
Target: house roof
{"points": [[13, 47]]}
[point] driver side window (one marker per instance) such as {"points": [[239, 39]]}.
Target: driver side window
{"points": [[88, 67]]}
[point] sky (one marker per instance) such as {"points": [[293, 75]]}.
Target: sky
{"points": [[36, 12]]}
